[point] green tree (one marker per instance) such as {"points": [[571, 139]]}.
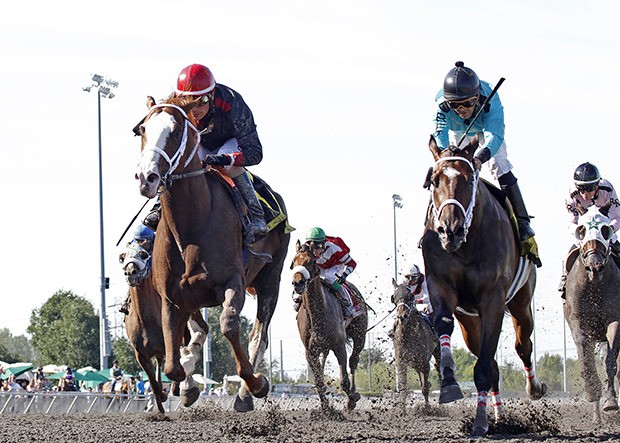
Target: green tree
{"points": [[512, 377], [370, 356], [65, 330], [550, 369], [124, 353], [465, 362], [15, 348]]}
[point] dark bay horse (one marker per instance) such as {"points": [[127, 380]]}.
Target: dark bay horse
{"points": [[415, 342], [474, 271], [592, 308], [198, 259], [144, 331], [321, 325]]}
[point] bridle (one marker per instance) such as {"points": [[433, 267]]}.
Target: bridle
{"points": [[407, 300], [173, 162], [308, 271], [467, 213]]}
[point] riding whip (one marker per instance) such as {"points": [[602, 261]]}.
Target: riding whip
{"points": [[488, 99], [131, 222]]}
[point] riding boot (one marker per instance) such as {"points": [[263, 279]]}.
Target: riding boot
{"points": [[258, 227], [347, 307], [152, 218], [562, 286], [125, 306], [296, 302], [523, 219]]}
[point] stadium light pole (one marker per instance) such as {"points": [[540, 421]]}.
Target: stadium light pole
{"points": [[104, 87], [397, 202]]}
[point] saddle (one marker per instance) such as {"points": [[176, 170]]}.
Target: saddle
{"points": [[356, 301], [274, 214]]}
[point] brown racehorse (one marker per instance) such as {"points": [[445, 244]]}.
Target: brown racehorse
{"points": [[415, 342], [321, 325], [592, 307], [474, 271], [144, 331], [198, 258]]}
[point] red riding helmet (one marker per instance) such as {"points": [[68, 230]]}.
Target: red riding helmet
{"points": [[195, 80]]}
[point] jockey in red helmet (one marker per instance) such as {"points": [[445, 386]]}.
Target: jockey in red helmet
{"points": [[228, 138]]}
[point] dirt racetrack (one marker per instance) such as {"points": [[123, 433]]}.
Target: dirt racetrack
{"points": [[551, 420]]}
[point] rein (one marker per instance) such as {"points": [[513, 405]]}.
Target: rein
{"points": [[467, 213]]}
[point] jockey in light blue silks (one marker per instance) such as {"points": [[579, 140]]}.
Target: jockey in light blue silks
{"points": [[456, 104]]}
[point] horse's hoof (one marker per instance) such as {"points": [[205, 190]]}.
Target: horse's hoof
{"points": [[450, 393], [478, 432], [243, 405], [351, 404], [537, 394], [611, 404], [264, 390], [355, 397], [189, 396]]}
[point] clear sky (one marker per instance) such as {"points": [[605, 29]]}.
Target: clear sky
{"points": [[342, 92]]}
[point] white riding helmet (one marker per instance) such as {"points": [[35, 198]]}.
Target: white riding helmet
{"points": [[413, 272]]}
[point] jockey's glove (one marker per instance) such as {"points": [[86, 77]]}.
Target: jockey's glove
{"points": [[218, 160], [342, 279]]}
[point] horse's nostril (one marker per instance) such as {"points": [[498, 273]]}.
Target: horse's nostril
{"points": [[152, 178], [460, 231], [441, 230]]}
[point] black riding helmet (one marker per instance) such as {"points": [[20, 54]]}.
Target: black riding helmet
{"points": [[460, 83], [586, 177]]}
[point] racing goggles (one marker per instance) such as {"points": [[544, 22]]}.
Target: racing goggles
{"points": [[587, 187], [467, 103]]}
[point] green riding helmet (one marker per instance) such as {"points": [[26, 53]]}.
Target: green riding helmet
{"points": [[316, 235]]}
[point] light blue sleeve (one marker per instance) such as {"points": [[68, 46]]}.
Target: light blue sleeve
{"points": [[440, 123]]}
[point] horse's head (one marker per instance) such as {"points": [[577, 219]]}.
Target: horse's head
{"points": [[304, 267], [136, 263], [594, 234], [454, 181], [404, 300], [169, 142]]}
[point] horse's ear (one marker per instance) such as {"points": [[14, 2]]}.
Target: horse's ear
{"points": [[150, 102], [471, 147], [394, 283], [432, 145], [298, 245]]}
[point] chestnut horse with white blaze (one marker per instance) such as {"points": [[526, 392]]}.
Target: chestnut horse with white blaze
{"points": [[198, 258], [474, 271]]}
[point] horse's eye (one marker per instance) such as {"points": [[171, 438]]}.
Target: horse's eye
{"points": [[143, 255], [121, 258]]}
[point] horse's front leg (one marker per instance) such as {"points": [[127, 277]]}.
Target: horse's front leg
{"points": [[316, 360], [258, 342], [444, 325], [173, 325], [189, 356], [230, 326], [592, 384], [345, 384], [611, 366]]}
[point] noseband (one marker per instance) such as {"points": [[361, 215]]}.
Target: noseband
{"points": [[307, 271], [173, 162], [467, 213]]}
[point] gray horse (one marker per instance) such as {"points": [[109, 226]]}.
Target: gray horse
{"points": [[592, 308], [415, 342]]}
